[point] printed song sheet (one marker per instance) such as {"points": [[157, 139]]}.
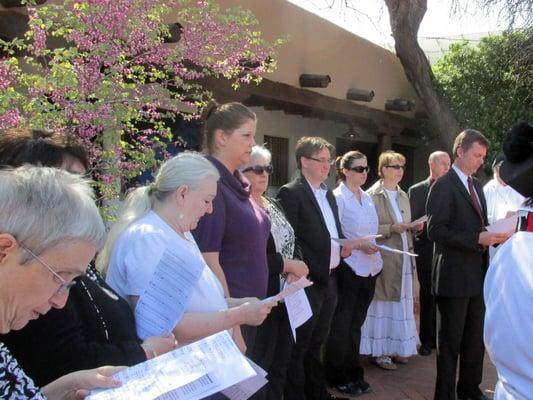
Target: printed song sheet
{"points": [[188, 373], [298, 309], [392, 250], [414, 223], [506, 225], [163, 302], [245, 389], [354, 241], [290, 288]]}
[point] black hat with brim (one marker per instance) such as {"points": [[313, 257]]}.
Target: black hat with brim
{"points": [[517, 167]]}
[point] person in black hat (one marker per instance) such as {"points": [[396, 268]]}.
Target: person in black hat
{"points": [[508, 289]]}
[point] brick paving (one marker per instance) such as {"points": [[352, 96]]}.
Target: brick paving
{"points": [[414, 381]]}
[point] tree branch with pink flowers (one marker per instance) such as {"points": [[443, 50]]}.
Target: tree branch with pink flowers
{"points": [[114, 69]]}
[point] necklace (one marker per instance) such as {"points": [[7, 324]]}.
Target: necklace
{"points": [[93, 276]]}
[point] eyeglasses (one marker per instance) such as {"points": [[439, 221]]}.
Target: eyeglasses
{"points": [[322, 160], [64, 286], [395, 166], [359, 169], [259, 169]]}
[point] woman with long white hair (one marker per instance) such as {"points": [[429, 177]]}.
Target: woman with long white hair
{"points": [[156, 220]]}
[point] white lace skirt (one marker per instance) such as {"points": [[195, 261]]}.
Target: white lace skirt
{"points": [[390, 327]]}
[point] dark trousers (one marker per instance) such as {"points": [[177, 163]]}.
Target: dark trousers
{"points": [[428, 309], [305, 376], [272, 351], [248, 334], [342, 362], [459, 335]]}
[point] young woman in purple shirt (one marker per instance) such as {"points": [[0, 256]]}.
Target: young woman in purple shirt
{"points": [[233, 239]]}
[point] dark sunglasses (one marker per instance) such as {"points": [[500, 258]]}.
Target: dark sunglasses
{"points": [[259, 169], [359, 169], [395, 166]]}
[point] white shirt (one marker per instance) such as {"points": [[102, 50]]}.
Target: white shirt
{"points": [[358, 219], [395, 204], [329, 218], [500, 200], [137, 252], [508, 293], [464, 178]]}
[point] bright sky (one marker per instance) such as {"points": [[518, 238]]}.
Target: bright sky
{"points": [[374, 26]]}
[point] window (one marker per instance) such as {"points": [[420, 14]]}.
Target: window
{"points": [[279, 147]]}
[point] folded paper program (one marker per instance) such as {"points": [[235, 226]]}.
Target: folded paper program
{"points": [[191, 372]]}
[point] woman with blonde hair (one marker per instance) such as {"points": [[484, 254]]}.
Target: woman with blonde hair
{"points": [[389, 333]]}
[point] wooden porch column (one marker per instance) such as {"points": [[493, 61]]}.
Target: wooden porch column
{"points": [[384, 142]]}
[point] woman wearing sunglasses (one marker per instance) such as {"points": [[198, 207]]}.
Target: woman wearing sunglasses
{"points": [[356, 279], [273, 344], [389, 333]]}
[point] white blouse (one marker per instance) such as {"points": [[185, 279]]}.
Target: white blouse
{"points": [[358, 219]]}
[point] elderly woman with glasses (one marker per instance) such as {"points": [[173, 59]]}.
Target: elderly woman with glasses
{"points": [[273, 343], [389, 332], [50, 230], [96, 324]]}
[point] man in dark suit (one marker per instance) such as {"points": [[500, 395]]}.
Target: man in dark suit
{"points": [[439, 163], [311, 209], [457, 214]]}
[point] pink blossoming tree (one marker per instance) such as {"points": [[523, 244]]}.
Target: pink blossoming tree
{"points": [[115, 70]]}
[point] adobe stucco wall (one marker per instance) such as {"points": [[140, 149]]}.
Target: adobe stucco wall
{"points": [[320, 47]]}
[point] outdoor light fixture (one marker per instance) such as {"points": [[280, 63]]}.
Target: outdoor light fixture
{"points": [[359, 94], [353, 133], [310, 80], [399, 104]]}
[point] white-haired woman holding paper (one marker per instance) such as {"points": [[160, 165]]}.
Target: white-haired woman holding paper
{"points": [[273, 343], [152, 235]]}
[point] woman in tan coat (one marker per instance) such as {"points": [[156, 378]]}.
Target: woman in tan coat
{"points": [[389, 333]]}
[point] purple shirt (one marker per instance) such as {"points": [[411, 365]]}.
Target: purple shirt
{"points": [[238, 230]]}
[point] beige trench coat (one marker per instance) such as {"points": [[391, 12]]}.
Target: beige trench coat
{"points": [[389, 282]]}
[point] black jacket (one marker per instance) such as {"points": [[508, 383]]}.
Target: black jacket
{"points": [[454, 225], [74, 337], [312, 235]]}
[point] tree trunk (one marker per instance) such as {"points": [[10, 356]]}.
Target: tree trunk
{"points": [[405, 19]]}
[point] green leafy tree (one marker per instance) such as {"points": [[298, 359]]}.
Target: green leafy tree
{"points": [[489, 86]]}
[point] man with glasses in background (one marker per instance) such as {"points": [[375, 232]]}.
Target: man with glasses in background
{"points": [[439, 163], [311, 209]]}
